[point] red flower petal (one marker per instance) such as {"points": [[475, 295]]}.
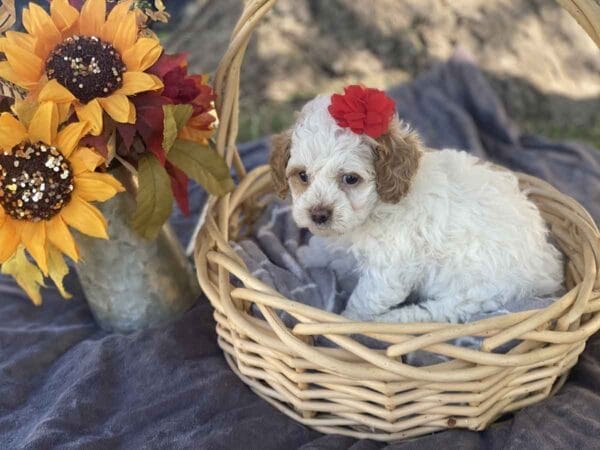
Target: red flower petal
{"points": [[166, 63], [373, 118], [363, 110], [178, 87]]}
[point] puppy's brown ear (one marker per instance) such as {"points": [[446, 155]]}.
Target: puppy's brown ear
{"points": [[397, 156], [280, 154]]}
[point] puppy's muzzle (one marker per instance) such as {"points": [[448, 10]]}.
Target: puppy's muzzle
{"points": [[321, 215]]}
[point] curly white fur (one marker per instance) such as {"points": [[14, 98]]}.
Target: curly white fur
{"points": [[464, 237]]}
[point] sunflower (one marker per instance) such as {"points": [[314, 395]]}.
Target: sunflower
{"points": [[46, 183], [83, 59]]}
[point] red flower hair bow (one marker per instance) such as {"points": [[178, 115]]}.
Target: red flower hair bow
{"points": [[364, 110]]}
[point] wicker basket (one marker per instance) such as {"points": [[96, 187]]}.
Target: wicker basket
{"points": [[365, 393]]}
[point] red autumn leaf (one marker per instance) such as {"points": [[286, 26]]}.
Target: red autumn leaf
{"points": [[127, 133], [150, 122], [179, 186]]}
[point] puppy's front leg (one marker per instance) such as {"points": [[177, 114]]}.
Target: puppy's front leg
{"points": [[376, 292]]}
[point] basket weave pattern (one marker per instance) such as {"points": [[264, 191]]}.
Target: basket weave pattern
{"points": [[367, 393]]}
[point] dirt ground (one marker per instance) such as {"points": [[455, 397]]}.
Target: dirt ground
{"points": [[542, 64]]}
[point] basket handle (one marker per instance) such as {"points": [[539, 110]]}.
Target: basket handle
{"points": [[227, 77], [587, 15], [227, 82]]}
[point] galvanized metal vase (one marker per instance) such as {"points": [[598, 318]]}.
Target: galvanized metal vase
{"points": [[131, 283]]}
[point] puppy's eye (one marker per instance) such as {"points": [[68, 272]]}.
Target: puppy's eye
{"points": [[350, 178], [303, 176]]}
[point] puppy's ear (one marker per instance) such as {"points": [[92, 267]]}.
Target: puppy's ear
{"points": [[280, 154], [396, 160]]}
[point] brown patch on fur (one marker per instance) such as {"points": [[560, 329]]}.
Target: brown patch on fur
{"points": [[298, 186], [280, 155], [397, 156]]}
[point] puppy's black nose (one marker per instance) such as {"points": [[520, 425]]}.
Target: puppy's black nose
{"points": [[320, 215]]}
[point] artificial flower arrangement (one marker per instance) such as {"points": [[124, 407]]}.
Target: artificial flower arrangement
{"points": [[98, 91]]}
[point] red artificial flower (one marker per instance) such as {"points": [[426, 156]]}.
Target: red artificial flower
{"points": [[364, 110], [179, 88]]}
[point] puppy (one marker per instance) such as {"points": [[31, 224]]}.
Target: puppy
{"points": [[454, 230]]}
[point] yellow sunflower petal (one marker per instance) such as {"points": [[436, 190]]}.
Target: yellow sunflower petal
{"points": [[57, 269], [33, 236], [132, 114], [63, 14], [142, 55], [85, 160], [64, 111], [55, 92], [68, 138], [23, 40], [12, 132], [39, 24], [96, 187], [109, 179], [136, 82], [24, 110], [126, 33], [92, 17], [7, 72], [9, 240], [44, 124], [27, 275], [25, 64], [116, 17], [86, 218], [59, 235], [92, 113], [118, 107]]}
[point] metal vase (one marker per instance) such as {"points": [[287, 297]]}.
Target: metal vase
{"points": [[131, 283]]}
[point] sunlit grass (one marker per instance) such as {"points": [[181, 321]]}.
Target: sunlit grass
{"points": [[587, 134]]}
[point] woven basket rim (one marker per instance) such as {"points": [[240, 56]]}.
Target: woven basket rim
{"points": [[432, 332]]}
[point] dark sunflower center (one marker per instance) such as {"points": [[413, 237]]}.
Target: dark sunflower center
{"points": [[86, 66], [36, 182]]}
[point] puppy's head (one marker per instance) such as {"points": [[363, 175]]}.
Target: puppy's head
{"points": [[336, 177]]}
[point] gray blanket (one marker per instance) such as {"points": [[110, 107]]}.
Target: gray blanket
{"points": [[310, 270], [66, 384]]}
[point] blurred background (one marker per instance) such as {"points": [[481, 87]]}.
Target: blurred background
{"points": [[540, 62]]}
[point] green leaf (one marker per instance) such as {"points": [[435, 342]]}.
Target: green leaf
{"points": [[176, 116], [203, 165], [154, 197], [26, 274]]}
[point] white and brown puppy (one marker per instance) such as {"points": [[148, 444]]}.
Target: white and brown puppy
{"points": [[452, 229]]}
